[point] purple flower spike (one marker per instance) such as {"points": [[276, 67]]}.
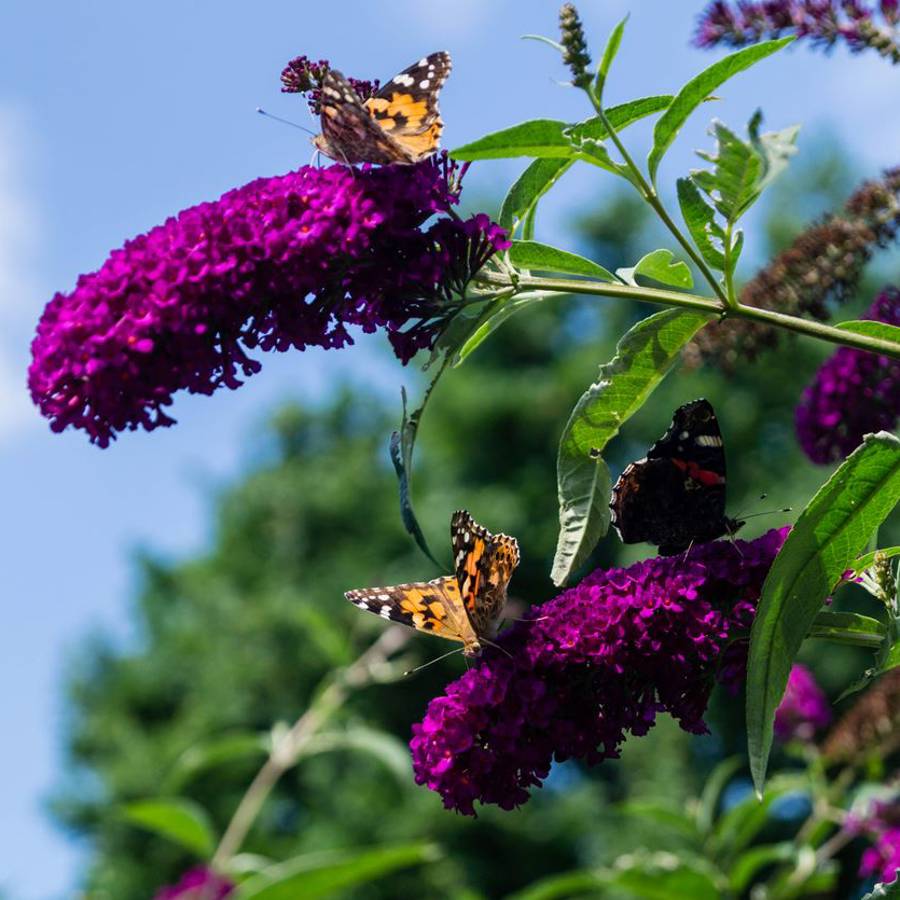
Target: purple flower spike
{"points": [[823, 22], [282, 262], [804, 711], [197, 884], [854, 393], [599, 660]]}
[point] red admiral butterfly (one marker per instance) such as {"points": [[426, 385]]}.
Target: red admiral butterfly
{"points": [[675, 496]]}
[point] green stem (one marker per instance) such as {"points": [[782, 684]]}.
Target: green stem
{"points": [[652, 197], [292, 744], [693, 301], [729, 269], [863, 631]]}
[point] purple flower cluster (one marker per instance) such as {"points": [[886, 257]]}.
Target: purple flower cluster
{"points": [[854, 393], [880, 823], [804, 711], [197, 884], [599, 660], [282, 262], [823, 22], [304, 76]]}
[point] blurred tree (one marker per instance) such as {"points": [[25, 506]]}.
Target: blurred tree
{"points": [[239, 638]]}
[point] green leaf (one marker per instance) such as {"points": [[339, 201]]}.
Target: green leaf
{"points": [[180, 820], [547, 138], [569, 884], [866, 561], [498, 316], [825, 541], [881, 330], [660, 814], [743, 822], [828, 624], [662, 267], [749, 864], [384, 747], [698, 89], [315, 875], [214, 752], [529, 187], [537, 137], [643, 357], [609, 54], [718, 780], [401, 449], [700, 219], [884, 891], [544, 40], [663, 876], [544, 258], [743, 169], [620, 117]]}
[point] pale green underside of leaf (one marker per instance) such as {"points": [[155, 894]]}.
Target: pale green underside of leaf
{"points": [[881, 330], [698, 89], [643, 357], [825, 542], [659, 266]]}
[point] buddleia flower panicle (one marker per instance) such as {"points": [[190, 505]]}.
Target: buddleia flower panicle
{"points": [[871, 726], [200, 883], [854, 393], [820, 270], [598, 661], [304, 76], [804, 711], [824, 23], [879, 823], [575, 51], [286, 262]]}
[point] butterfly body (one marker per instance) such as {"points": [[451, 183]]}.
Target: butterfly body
{"points": [[465, 606], [400, 124], [675, 496]]}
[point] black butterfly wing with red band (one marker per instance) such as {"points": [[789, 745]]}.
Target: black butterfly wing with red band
{"points": [[675, 496]]}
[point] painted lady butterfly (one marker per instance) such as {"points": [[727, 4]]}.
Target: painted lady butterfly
{"points": [[465, 606], [400, 124]]}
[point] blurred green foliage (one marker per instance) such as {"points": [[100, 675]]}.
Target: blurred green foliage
{"points": [[240, 637]]}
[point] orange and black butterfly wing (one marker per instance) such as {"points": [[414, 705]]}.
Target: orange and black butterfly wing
{"points": [[406, 108], [435, 607], [484, 564], [351, 134]]}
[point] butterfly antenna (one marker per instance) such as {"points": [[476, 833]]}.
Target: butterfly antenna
{"points": [[769, 512], [484, 640], [269, 115], [431, 662]]}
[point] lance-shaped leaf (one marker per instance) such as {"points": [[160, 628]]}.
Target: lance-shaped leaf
{"points": [[609, 54], [700, 218], [743, 169], [529, 187], [881, 330], [544, 258], [643, 357], [176, 818], [830, 533], [328, 873], [537, 137], [698, 89]]}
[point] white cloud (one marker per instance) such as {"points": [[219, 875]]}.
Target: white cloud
{"points": [[18, 279]]}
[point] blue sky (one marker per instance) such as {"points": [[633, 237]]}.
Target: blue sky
{"points": [[115, 115]]}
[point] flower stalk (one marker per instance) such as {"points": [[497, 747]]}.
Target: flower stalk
{"points": [[288, 748], [684, 300]]}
